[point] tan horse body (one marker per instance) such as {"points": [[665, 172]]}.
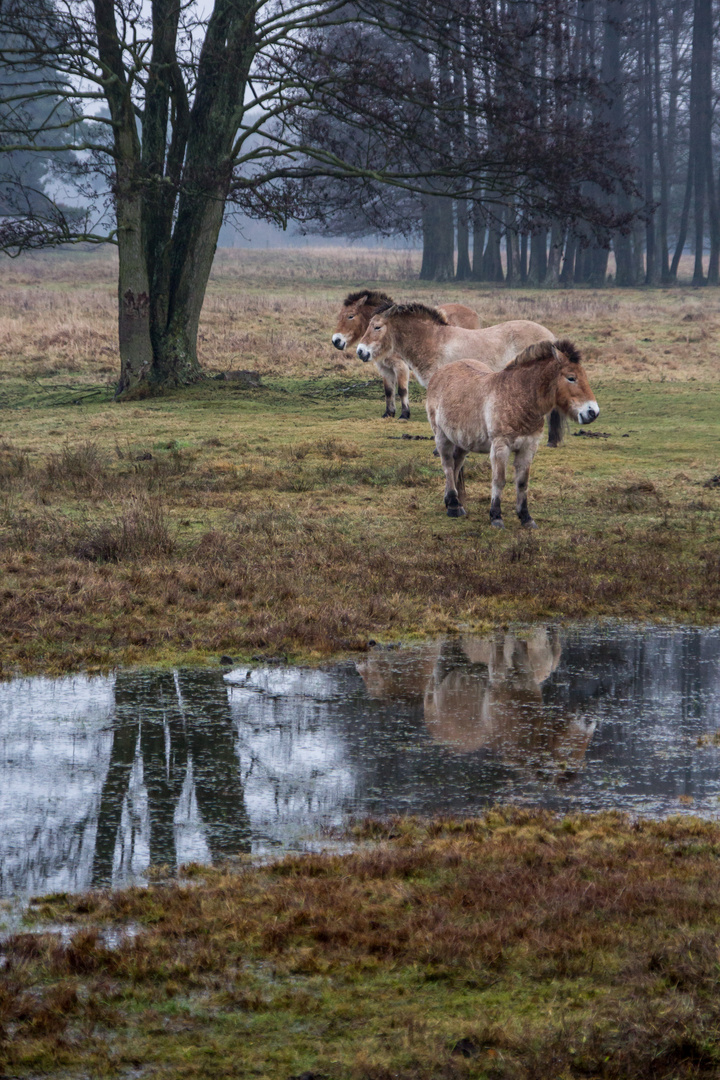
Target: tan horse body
{"points": [[352, 323], [473, 409], [426, 340]]}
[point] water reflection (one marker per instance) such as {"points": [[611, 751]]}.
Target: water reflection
{"points": [[100, 778]]}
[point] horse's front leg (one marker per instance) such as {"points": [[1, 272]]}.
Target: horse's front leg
{"points": [[403, 378], [387, 373], [389, 386], [523, 461], [448, 451], [499, 457]]}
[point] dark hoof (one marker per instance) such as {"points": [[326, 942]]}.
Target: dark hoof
{"points": [[405, 415], [529, 524], [389, 414], [456, 511], [497, 523], [553, 442]]}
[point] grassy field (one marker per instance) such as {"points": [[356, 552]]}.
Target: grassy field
{"points": [[513, 946], [288, 518]]}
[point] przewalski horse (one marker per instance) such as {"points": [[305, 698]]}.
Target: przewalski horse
{"points": [[352, 323], [473, 409], [426, 341]]}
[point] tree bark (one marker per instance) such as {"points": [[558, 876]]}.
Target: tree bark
{"points": [[464, 270]]}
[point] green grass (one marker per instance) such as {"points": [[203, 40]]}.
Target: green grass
{"points": [[291, 518], [516, 945]]}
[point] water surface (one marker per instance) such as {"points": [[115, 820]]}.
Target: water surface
{"points": [[102, 777]]}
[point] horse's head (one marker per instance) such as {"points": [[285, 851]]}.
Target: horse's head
{"points": [[355, 315], [393, 321], [573, 395], [376, 342]]}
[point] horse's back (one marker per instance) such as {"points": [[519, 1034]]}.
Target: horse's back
{"points": [[460, 315]]}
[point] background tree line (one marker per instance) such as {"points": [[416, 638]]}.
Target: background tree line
{"points": [[636, 79], [543, 127]]}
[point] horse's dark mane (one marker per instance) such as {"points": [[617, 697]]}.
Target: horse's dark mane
{"points": [[545, 350], [374, 298], [567, 348], [419, 311]]}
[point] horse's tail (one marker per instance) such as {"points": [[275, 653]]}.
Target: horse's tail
{"points": [[461, 485], [556, 427]]}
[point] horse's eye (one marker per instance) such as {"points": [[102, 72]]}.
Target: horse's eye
{"points": [[351, 316], [571, 378]]}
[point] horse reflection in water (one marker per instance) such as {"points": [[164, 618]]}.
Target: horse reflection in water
{"points": [[485, 694], [176, 727]]}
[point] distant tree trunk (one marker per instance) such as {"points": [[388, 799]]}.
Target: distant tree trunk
{"points": [[478, 225], [492, 258], [701, 124], [567, 275], [537, 269], [464, 270], [645, 62], [552, 277], [684, 219], [663, 253]]}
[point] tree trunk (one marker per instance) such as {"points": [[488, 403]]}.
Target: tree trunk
{"points": [[701, 123], [537, 269], [478, 242], [464, 270], [552, 277], [492, 269], [684, 218], [567, 276]]}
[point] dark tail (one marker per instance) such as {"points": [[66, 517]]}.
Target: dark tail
{"points": [[461, 486], [556, 428]]}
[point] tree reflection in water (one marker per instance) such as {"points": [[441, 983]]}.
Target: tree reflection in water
{"points": [[175, 726]]}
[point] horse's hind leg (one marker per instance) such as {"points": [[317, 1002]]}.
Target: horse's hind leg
{"points": [[459, 458], [523, 461], [499, 457], [448, 451], [403, 377]]}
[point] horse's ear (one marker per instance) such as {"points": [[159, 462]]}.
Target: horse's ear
{"points": [[389, 311], [363, 299], [555, 353]]}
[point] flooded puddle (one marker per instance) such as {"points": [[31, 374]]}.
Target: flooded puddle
{"points": [[102, 777]]}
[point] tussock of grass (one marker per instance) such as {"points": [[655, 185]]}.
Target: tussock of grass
{"points": [[517, 945]]}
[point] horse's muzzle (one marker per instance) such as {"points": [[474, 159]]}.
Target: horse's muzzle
{"points": [[364, 353], [339, 341], [588, 413]]}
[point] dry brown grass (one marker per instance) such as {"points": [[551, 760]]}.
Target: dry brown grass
{"points": [[517, 945], [273, 311]]}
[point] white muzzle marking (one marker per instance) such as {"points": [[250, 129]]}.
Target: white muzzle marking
{"points": [[588, 412], [339, 341], [364, 352]]}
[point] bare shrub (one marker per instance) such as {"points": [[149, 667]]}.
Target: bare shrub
{"points": [[82, 468], [140, 532]]}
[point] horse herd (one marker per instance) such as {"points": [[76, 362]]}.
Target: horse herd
{"points": [[488, 389]]}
